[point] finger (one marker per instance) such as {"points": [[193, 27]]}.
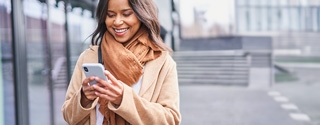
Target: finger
{"points": [[116, 84], [111, 77], [100, 89], [111, 93], [113, 88], [104, 96], [116, 90], [90, 95], [105, 91], [87, 88], [86, 81], [100, 82]]}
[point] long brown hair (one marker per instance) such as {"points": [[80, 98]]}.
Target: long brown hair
{"points": [[145, 10]]}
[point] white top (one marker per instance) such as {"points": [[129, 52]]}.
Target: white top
{"points": [[136, 87]]}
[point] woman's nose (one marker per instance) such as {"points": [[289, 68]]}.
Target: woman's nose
{"points": [[118, 21]]}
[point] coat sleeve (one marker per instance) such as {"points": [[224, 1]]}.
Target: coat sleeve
{"points": [[163, 111], [72, 110]]}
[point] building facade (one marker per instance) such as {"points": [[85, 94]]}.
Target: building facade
{"points": [[294, 25]]}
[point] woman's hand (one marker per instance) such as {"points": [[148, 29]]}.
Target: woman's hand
{"points": [[87, 92], [111, 90]]}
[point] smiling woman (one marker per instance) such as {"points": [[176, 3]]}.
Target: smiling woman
{"points": [[142, 74]]}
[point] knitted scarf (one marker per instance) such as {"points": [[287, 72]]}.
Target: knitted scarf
{"points": [[125, 62]]}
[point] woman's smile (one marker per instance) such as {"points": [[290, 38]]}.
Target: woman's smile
{"points": [[121, 32]]}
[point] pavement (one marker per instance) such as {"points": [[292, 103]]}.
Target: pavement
{"points": [[234, 105], [221, 105], [306, 97], [286, 103], [231, 105]]}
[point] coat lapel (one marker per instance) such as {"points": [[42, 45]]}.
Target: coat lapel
{"points": [[151, 72]]}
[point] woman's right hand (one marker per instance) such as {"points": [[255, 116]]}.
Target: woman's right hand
{"points": [[87, 92]]}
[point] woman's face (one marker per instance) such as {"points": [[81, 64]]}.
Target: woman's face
{"points": [[121, 21]]}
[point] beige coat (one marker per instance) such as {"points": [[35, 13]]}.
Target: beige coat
{"points": [[157, 103]]}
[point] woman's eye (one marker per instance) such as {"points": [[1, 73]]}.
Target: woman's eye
{"points": [[110, 15], [127, 14]]}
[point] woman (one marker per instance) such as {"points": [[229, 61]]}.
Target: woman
{"points": [[142, 88]]}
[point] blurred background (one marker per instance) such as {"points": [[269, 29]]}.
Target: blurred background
{"points": [[240, 62]]}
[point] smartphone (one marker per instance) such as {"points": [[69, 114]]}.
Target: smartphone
{"points": [[94, 69]]}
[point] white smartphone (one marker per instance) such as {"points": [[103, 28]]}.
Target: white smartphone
{"points": [[94, 69]]}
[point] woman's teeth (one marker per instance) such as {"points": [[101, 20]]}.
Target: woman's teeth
{"points": [[120, 30]]}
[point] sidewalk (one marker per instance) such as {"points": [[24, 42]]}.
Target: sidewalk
{"points": [[305, 95], [231, 105]]}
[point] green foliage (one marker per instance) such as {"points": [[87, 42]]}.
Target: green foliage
{"points": [[285, 77], [299, 60]]}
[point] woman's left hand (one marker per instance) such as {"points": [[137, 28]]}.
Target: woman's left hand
{"points": [[111, 90]]}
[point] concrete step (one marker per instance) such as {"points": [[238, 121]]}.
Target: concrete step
{"points": [[204, 61], [213, 65], [225, 68], [201, 59], [213, 72], [211, 81], [212, 68], [62, 77], [210, 53], [239, 77]]}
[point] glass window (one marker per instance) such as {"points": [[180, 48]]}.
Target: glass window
{"points": [[242, 2], [7, 116], [45, 40], [46, 35], [284, 19], [313, 2], [314, 16], [304, 2], [274, 19], [294, 2], [254, 19], [264, 2], [81, 25], [294, 19], [303, 16], [283, 2], [254, 2], [318, 18], [36, 37], [241, 19], [57, 39], [274, 2], [264, 19]]}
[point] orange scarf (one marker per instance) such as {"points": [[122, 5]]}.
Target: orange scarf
{"points": [[126, 64]]}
